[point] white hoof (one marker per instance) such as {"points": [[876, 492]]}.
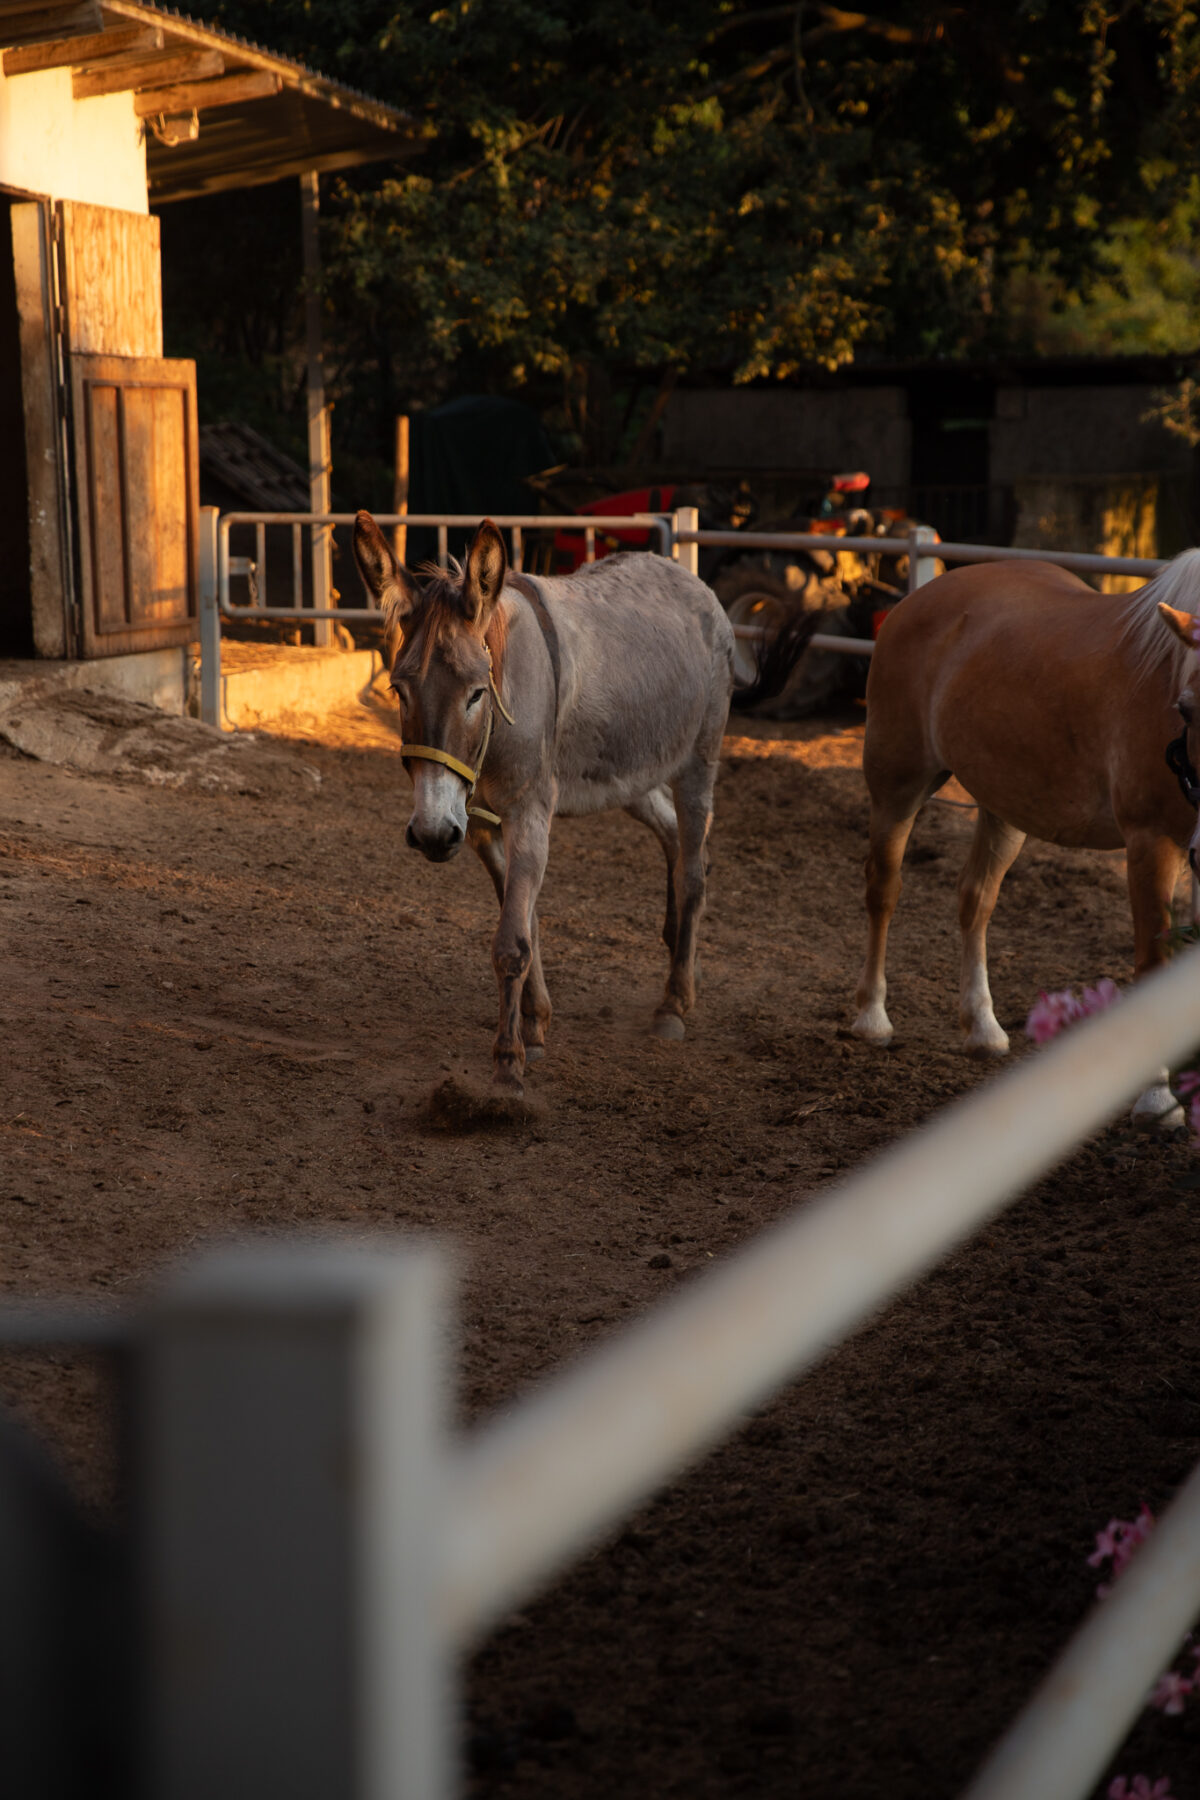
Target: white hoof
{"points": [[873, 1025], [1158, 1110], [986, 1038], [668, 1025]]}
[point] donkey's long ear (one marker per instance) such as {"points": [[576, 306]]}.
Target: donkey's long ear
{"points": [[387, 581], [487, 566], [1181, 623]]}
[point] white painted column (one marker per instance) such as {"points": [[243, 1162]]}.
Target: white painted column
{"points": [[211, 710], [922, 566], [687, 518]]}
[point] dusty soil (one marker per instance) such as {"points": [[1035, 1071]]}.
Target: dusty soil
{"points": [[228, 1011]]}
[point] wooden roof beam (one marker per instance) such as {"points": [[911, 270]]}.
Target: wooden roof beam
{"points": [[158, 69], [194, 96], [82, 17], [68, 52]]}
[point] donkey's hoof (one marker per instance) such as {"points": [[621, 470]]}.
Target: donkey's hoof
{"points": [[873, 1026], [507, 1081], [534, 1052], [1158, 1110], [985, 1041], [668, 1025]]}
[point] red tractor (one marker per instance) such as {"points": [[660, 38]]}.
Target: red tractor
{"points": [[852, 590]]}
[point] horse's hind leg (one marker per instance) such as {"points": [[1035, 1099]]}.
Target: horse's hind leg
{"points": [[1153, 865], [657, 810], [891, 823], [994, 849]]}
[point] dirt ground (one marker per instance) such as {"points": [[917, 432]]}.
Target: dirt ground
{"points": [[227, 1010]]}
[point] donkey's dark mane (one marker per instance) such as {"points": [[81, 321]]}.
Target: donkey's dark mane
{"points": [[440, 616]]}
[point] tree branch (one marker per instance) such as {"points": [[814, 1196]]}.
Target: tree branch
{"points": [[835, 20]]}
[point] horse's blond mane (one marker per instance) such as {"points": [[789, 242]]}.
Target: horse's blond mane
{"points": [[1151, 645]]}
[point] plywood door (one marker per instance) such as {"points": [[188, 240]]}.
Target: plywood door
{"points": [[137, 482], [111, 281]]}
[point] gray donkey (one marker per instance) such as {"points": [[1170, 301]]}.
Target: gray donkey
{"points": [[520, 699]]}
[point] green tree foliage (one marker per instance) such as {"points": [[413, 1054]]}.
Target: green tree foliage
{"points": [[604, 186]]}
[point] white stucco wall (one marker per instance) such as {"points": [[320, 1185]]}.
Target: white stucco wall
{"points": [[51, 143]]}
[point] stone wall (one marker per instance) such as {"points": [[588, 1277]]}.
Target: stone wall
{"points": [[1110, 515], [745, 429], [1077, 431]]}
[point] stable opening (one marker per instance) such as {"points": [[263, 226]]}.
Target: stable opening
{"points": [[16, 606]]}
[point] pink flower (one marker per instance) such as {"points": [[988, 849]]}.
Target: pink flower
{"points": [[1140, 1789], [1107, 1542], [1054, 1012], [1187, 1082], [1051, 1014], [1099, 998], [1170, 1692], [1194, 1118], [1119, 1539]]}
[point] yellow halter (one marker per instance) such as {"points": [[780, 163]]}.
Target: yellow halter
{"points": [[470, 775]]}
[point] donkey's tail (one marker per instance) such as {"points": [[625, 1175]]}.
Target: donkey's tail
{"points": [[776, 659]]}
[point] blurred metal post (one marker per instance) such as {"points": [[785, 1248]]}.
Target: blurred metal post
{"points": [[290, 1468], [922, 567], [687, 518], [66, 1689], [318, 413], [210, 620]]}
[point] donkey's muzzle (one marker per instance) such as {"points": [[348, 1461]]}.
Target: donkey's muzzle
{"points": [[438, 843]]}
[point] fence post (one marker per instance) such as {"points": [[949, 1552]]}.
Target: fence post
{"points": [[686, 518], [921, 566], [290, 1465], [211, 710]]}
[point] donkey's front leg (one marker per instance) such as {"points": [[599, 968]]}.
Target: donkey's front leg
{"points": [[535, 997], [535, 1001], [527, 845]]}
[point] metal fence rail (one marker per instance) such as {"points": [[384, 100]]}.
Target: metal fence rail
{"points": [[219, 567], [922, 542], [677, 534]]}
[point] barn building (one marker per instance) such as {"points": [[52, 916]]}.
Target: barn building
{"points": [[107, 110], [1043, 452]]}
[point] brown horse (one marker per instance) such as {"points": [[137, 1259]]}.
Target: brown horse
{"points": [[1054, 706]]}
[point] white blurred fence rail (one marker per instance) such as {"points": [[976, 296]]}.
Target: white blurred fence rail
{"points": [[317, 1550]]}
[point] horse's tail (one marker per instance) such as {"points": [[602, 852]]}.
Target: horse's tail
{"points": [[776, 659]]}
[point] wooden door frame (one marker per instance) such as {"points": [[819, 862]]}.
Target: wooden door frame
{"points": [[52, 575]]}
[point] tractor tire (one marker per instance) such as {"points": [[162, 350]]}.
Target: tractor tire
{"points": [[758, 597]]}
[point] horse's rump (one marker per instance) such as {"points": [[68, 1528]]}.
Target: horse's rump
{"points": [[1024, 683]]}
